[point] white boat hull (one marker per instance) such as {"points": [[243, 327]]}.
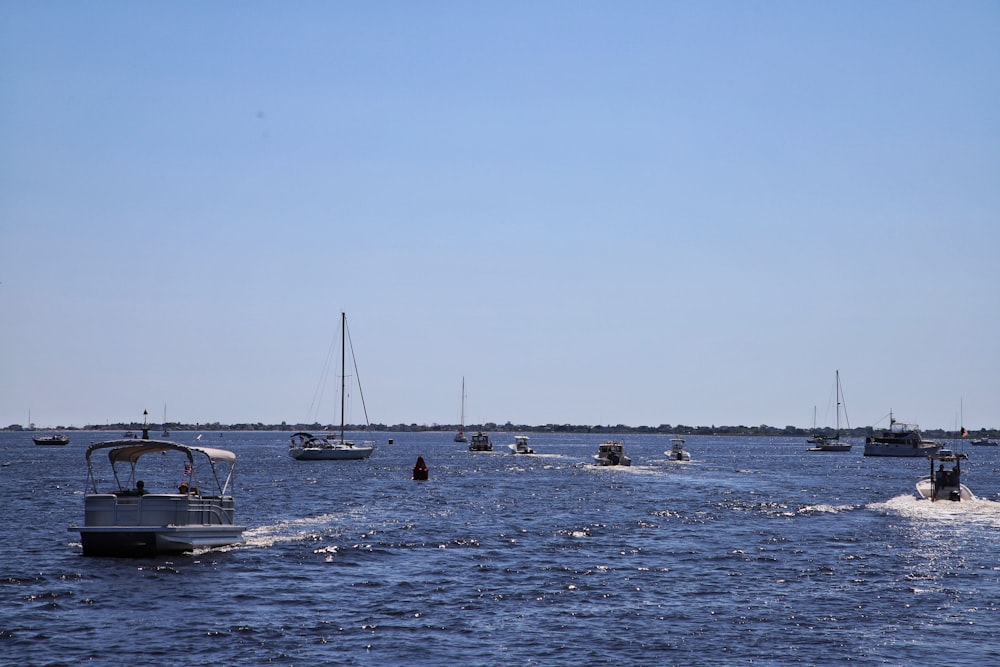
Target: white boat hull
{"points": [[905, 450], [330, 453], [831, 447], [612, 461], [925, 490], [675, 455]]}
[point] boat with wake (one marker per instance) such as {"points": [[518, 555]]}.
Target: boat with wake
{"points": [[677, 451], [944, 484], [612, 453], [520, 445], [125, 517]]}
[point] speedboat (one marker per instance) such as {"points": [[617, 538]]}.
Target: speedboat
{"points": [[49, 440], [612, 453], [983, 442], [900, 440], [677, 451], [520, 445], [481, 442], [327, 447], [127, 516], [944, 484]]}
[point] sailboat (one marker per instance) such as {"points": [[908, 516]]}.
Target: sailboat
{"points": [[166, 431], [822, 443], [460, 436], [309, 447]]}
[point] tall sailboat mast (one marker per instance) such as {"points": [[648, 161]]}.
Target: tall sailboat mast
{"points": [[343, 368]]}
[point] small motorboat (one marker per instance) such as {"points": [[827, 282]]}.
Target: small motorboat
{"points": [[944, 484], [481, 442], [50, 440], [677, 451], [612, 453], [520, 445]]}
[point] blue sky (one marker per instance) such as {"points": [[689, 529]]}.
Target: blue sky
{"points": [[597, 213]]}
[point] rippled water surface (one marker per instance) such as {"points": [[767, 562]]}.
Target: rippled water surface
{"points": [[756, 552]]}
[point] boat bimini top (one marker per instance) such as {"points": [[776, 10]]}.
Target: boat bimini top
{"points": [[131, 451]]}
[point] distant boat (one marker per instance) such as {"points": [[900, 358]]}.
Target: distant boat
{"points": [[520, 445], [50, 440], [612, 453], [481, 442], [328, 447], [944, 484], [976, 442], [835, 444], [900, 439], [677, 451], [166, 432], [460, 436]]}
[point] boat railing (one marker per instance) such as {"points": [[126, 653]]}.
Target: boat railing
{"points": [[155, 509]]}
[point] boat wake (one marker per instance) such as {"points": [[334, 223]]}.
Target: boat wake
{"points": [[284, 532], [979, 510]]}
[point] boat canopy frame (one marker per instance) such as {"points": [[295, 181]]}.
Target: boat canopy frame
{"points": [[130, 451]]}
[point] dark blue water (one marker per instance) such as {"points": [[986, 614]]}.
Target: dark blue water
{"points": [[757, 552]]}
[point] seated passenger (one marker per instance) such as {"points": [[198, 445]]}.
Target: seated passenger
{"points": [[140, 488], [183, 488]]}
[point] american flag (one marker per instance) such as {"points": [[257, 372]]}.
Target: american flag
{"points": [[187, 468]]}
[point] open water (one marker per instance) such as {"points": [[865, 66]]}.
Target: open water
{"points": [[756, 552]]}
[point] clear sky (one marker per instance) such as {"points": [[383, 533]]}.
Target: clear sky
{"points": [[596, 212]]}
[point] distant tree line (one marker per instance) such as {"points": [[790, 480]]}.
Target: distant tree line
{"points": [[508, 427]]}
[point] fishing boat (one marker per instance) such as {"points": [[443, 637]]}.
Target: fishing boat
{"points": [[900, 440], [51, 440], [328, 446], [944, 484], [481, 442], [677, 451], [823, 444], [520, 445], [460, 436], [983, 442], [612, 453], [127, 516]]}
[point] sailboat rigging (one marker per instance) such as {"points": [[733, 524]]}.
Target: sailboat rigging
{"points": [[821, 442], [460, 436], [306, 446]]}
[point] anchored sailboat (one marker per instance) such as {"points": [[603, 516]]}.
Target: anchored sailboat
{"points": [[309, 447], [824, 444], [460, 436]]}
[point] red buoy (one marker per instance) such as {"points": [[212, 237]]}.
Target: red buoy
{"points": [[420, 470]]}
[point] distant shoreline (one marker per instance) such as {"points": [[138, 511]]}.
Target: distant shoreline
{"points": [[619, 429]]}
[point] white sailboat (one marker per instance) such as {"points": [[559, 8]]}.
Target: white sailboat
{"points": [[166, 431], [460, 436], [824, 444], [327, 447]]}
